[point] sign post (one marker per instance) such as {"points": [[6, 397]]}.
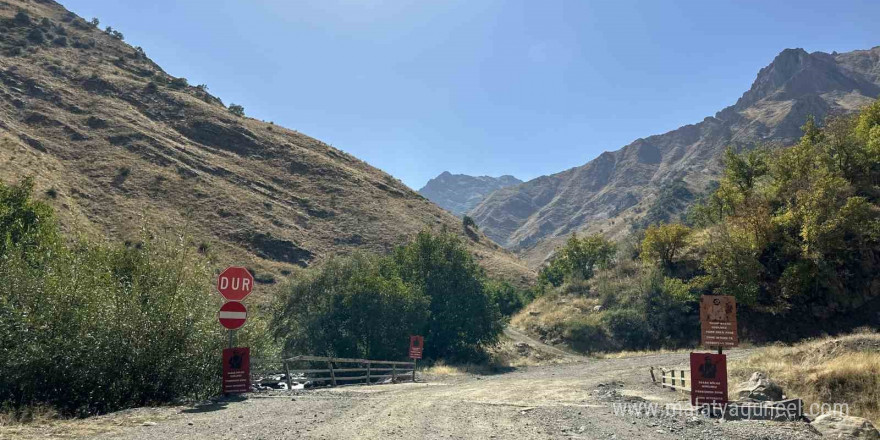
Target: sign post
{"points": [[235, 284], [236, 370], [718, 321], [232, 316], [416, 346], [717, 329], [708, 379]]}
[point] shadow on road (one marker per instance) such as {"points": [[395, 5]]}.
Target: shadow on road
{"points": [[214, 405]]}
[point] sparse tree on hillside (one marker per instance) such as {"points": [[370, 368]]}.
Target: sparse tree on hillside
{"points": [[236, 109]]}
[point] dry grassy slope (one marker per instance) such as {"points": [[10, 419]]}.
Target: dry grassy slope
{"points": [[609, 193], [123, 147]]}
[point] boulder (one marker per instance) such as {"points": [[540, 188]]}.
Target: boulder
{"points": [[759, 388], [839, 425]]}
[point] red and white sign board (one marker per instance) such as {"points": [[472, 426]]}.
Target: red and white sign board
{"points": [[708, 379], [416, 346], [718, 321], [232, 315], [235, 283], [236, 370]]}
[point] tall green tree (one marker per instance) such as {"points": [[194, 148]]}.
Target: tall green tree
{"points": [[463, 318]]}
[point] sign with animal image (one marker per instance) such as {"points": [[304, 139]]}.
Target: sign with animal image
{"points": [[708, 379], [236, 370], [718, 321]]}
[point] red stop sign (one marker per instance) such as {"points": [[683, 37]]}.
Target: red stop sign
{"points": [[232, 315], [235, 283]]}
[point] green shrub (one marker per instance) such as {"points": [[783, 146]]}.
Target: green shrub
{"points": [[91, 327], [236, 109], [349, 307], [508, 298], [586, 334], [368, 306], [628, 327]]}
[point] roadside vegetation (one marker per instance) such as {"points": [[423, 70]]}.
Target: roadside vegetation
{"points": [[88, 326], [793, 234], [367, 306]]}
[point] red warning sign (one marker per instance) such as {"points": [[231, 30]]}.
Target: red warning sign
{"points": [[236, 370], [416, 345], [708, 379]]}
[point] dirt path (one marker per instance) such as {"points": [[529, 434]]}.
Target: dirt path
{"points": [[518, 336], [574, 400]]}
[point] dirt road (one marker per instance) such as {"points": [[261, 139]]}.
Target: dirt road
{"points": [[580, 400]]}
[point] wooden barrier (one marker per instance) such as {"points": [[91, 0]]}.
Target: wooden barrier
{"points": [[674, 378], [371, 370]]}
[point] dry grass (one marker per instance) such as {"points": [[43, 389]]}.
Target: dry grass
{"points": [[547, 315], [829, 370], [43, 422], [636, 353]]}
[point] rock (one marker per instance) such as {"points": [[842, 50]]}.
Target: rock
{"points": [[597, 309], [839, 425], [759, 388], [149, 424]]}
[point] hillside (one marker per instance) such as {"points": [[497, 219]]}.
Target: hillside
{"points": [[116, 143], [654, 177], [459, 193]]}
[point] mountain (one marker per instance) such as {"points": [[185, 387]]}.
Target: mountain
{"points": [[617, 189], [116, 143], [459, 193]]}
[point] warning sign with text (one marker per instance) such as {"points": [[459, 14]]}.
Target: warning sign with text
{"points": [[708, 379], [236, 370], [718, 321]]}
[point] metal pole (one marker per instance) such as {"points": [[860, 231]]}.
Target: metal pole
{"points": [[231, 338], [415, 363]]}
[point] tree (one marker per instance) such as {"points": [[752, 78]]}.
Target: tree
{"points": [[579, 259], [467, 222], [463, 317], [236, 109], [95, 22], [349, 307], [663, 243]]}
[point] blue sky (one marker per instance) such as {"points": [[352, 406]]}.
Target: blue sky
{"points": [[480, 87]]}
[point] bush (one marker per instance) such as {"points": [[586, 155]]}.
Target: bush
{"points": [[236, 109], [368, 306], [578, 259], [36, 36], [179, 83], [628, 327], [22, 18], [349, 307], [586, 335], [91, 327], [508, 298]]}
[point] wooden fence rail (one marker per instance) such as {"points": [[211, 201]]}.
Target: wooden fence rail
{"points": [[371, 370], [675, 378]]}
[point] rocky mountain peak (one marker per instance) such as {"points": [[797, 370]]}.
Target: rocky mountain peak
{"points": [[637, 184], [459, 193]]}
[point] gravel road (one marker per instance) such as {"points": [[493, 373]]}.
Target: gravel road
{"points": [[574, 400]]}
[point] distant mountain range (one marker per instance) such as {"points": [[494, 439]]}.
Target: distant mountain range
{"points": [[655, 178], [459, 193], [115, 143]]}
